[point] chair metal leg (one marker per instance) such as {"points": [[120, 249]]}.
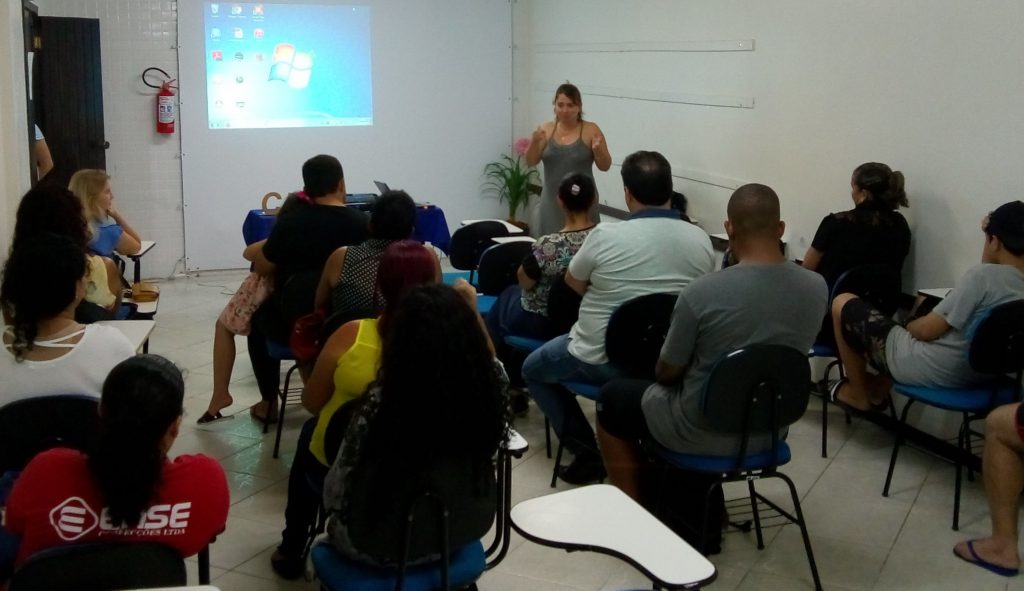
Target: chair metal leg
{"points": [[961, 438], [968, 447], [824, 403], [547, 437], [204, 565], [502, 519], [703, 549], [756, 513], [803, 529], [824, 423], [283, 395], [558, 462], [896, 447]]}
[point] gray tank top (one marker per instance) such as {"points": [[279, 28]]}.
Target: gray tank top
{"points": [[560, 160]]}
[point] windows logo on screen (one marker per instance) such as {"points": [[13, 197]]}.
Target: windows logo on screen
{"points": [[290, 66]]}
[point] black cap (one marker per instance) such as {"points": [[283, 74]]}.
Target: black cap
{"points": [[1007, 224]]}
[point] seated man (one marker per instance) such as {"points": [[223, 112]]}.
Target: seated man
{"points": [[652, 252], [931, 350], [1003, 469], [764, 299]]}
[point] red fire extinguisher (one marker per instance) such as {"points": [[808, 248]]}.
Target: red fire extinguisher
{"points": [[164, 101], [165, 108]]}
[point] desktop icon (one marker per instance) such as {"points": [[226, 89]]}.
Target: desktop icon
{"points": [[239, 79], [217, 79], [217, 55], [258, 56], [257, 10], [236, 9], [257, 33], [215, 33], [240, 104], [238, 33], [214, 8], [239, 56]]}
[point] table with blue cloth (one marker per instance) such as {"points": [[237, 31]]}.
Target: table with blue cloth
{"points": [[431, 226]]}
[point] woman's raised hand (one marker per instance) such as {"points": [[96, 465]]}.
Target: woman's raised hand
{"points": [[539, 135]]}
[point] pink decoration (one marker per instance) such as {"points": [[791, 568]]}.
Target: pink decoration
{"points": [[522, 145], [303, 197]]}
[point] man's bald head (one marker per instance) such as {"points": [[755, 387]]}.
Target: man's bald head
{"points": [[754, 212]]}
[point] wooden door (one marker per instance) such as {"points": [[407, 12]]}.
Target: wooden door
{"points": [[69, 94]]}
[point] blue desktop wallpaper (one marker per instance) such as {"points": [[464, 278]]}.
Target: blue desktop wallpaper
{"points": [[287, 65]]}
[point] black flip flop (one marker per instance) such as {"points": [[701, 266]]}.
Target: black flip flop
{"points": [[207, 418]]}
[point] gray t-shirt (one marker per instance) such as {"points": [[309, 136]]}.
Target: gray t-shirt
{"points": [[943, 362], [775, 304]]}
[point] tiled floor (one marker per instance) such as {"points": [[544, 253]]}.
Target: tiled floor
{"points": [[861, 540]]}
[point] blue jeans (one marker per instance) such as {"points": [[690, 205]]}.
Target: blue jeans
{"points": [[543, 370]]}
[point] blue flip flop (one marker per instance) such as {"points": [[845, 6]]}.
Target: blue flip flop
{"points": [[979, 561]]}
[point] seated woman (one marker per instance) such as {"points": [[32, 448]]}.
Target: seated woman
{"points": [[873, 232], [110, 230], [346, 366], [406, 424], [128, 485], [51, 208], [522, 309], [348, 282], [46, 351]]}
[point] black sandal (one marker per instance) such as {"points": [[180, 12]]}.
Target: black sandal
{"points": [[208, 418]]}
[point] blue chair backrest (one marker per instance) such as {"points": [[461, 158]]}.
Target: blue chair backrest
{"points": [[997, 344], [34, 425], [391, 524], [101, 566], [499, 264], [636, 332], [757, 389], [878, 285], [470, 241]]}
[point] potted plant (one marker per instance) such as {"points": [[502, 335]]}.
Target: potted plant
{"points": [[512, 181]]}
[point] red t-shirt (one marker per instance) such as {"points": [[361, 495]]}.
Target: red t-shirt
{"points": [[55, 501]]}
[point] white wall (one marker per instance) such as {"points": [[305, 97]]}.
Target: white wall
{"points": [[14, 149], [146, 168], [931, 87]]}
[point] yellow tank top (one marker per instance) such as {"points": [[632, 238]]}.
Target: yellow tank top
{"points": [[356, 369]]}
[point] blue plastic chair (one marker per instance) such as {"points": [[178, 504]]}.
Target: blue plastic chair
{"points": [[880, 286], [757, 390], [338, 573], [997, 349], [636, 331], [426, 528]]}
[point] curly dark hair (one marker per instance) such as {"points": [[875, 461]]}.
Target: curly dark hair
{"points": [[142, 397], [40, 280], [437, 383], [49, 207]]}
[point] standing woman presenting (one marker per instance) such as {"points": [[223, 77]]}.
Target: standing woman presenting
{"points": [[566, 146]]}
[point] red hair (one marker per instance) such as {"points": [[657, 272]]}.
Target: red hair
{"points": [[404, 265]]}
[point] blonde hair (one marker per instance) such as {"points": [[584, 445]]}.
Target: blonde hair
{"points": [[87, 184]]}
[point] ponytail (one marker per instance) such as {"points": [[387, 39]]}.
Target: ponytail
{"points": [[882, 183], [142, 398]]}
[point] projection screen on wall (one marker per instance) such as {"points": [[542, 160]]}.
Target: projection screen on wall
{"points": [[287, 65]]}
